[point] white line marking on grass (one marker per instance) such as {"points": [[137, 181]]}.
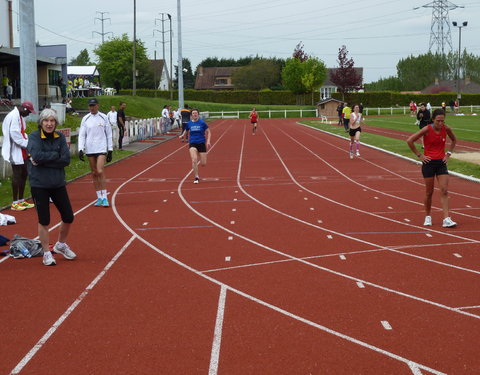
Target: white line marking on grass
{"points": [[217, 336], [70, 309], [386, 325]]}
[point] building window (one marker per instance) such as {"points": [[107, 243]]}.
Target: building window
{"points": [[53, 76], [221, 81]]}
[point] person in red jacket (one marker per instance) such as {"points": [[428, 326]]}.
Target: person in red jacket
{"points": [[434, 162]]}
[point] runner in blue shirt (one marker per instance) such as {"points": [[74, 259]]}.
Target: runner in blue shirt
{"points": [[199, 138]]}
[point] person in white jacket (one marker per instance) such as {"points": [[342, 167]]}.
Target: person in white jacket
{"points": [[95, 141], [14, 151]]}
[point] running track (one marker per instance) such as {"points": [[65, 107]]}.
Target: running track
{"points": [[287, 258]]}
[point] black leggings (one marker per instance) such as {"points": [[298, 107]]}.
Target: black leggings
{"points": [[60, 200], [19, 179]]}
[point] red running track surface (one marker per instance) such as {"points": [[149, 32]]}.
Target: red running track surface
{"points": [[287, 258]]}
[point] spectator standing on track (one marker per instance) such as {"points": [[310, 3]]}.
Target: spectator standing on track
{"points": [[49, 155], [434, 163], [95, 141], [200, 136], [355, 130], [253, 120], [185, 113], [14, 151], [121, 121], [423, 116], [346, 111], [340, 116]]}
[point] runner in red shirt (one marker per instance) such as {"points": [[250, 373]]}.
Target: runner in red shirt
{"points": [[253, 120], [434, 162]]}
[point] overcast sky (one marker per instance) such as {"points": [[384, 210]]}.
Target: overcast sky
{"points": [[377, 33]]}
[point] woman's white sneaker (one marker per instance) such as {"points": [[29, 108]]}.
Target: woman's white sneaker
{"points": [[449, 223], [428, 221], [64, 250], [48, 259]]}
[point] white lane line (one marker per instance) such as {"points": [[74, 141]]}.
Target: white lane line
{"points": [[249, 297], [217, 335], [469, 307], [457, 255], [386, 325], [415, 370], [360, 285], [70, 309]]}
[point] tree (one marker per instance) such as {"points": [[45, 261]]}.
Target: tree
{"points": [[83, 58], [345, 77], [303, 74], [115, 62], [188, 77], [259, 74], [385, 84]]}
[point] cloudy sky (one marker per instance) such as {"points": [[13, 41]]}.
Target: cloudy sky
{"points": [[377, 33]]}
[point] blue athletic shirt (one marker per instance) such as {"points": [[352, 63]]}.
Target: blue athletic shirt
{"points": [[197, 131]]}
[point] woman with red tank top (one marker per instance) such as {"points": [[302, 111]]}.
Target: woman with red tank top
{"points": [[434, 163], [253, 120]]}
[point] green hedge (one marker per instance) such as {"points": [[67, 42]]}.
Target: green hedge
{"points": [[386, 99], [223, 96]]}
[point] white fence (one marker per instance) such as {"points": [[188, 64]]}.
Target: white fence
{"points": [[282, 113]]}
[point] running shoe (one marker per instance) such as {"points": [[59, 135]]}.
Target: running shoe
{"points": [[428, 221], [17, 207], [449, 223], [48, 259], [197, 180], [105, 202], [26, 204], [358, 153], [64, 250], [351, 155], [99, 202]]}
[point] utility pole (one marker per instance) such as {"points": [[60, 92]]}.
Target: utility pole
{"points": [[163, 32], [102, 19], [180, 57], [134, 68], [170, 81], [28, 55], [440, 35]]}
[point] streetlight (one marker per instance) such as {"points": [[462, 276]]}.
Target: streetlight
{"points": [[464, 24]]}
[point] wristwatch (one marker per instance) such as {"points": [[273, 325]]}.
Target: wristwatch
{"points": [[449, 152]]}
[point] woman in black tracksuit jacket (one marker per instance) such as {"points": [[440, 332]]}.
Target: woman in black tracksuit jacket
{"points": [[48, 156]]}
